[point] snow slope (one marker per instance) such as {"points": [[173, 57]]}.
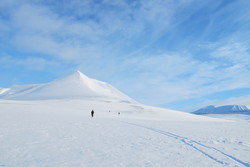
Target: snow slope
{"points": [[61, 133], [91, 94], [227, 109], [50, 125], [74, 86]]}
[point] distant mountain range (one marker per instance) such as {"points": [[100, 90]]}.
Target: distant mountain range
{"points": [[227, 109]]}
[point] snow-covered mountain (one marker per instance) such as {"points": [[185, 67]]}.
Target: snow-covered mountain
{"points": [[60, 131], [74, 86], [227, 109], [78, 93]]}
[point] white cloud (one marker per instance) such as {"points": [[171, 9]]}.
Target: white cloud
{"points": [[234, 52], [244, 100], [30, 63], [88, 33], [37, 27], [169, 77]]}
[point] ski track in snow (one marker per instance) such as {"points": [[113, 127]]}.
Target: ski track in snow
{"points": [[62, 133], [54, 129], [221, 157]]}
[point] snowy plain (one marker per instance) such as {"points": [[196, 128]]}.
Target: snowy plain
{"points": [[49, 125], [61, 133]]}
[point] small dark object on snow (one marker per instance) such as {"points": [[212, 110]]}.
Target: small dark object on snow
{"points": [[92, 113], [119, 113]]}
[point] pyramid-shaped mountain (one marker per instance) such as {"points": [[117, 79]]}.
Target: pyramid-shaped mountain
{"points": [[74, 86]]}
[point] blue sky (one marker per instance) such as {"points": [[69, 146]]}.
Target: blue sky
{"points": [[181, 54]]}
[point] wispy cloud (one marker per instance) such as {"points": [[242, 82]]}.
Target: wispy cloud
{"points": [[181, 77], [30, 63], [244, 100], [104, 26], [156, 51]]}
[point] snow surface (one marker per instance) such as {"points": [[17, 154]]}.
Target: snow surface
{"points": [[56, 133], [50, 125]]}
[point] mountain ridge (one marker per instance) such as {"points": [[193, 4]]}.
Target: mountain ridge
{"points": [[225, 109], [76, 85]]}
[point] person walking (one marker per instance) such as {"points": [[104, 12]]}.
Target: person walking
{"points": [[92, 113]]}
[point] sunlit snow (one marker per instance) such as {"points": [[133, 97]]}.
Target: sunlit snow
{"points": [[50, 125]]}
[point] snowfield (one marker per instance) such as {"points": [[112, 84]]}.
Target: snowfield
{"points": [[49, 125], [61, 133]]}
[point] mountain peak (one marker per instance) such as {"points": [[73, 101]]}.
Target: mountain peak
{"points": [[78, 74], [76, 77], [74, 86]]}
